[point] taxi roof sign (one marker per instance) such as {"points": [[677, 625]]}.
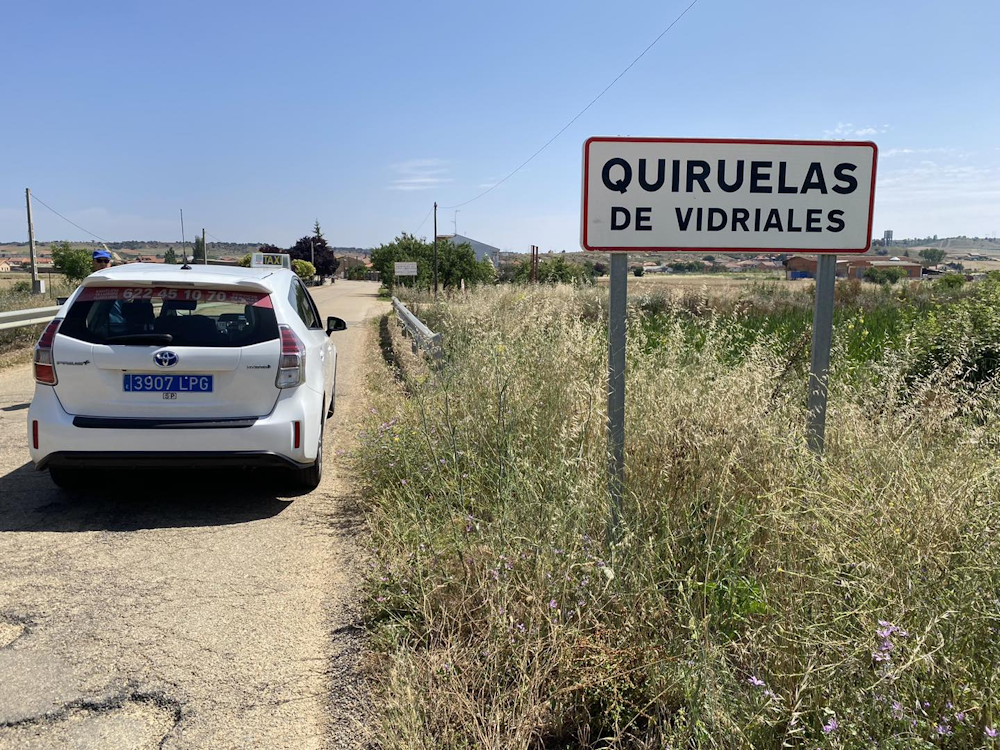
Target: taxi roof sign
{"points": [[269, 260]]}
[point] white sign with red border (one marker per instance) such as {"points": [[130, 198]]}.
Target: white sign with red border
{"points": [[676, 194]]}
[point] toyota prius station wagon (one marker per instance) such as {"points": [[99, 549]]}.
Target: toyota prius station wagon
{"points": [[150, 365]]}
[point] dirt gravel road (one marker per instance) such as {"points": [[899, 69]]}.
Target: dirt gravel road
{"points": [[183, 610]]}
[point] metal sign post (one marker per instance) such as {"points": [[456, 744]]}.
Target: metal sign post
{"points": [[616, 391], [822, 340]]}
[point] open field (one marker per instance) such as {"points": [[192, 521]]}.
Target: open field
{"points": [[8, 280], [758, 599], [713, 283]]}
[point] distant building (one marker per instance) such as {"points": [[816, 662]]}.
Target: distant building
{"points": [[804, 267], [4, 266], [482, 250], [887, 237]]}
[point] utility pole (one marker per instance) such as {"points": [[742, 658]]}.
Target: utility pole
{"points": [[37, 285], [204, 246], [184, 243], [312, 253], [435, 250]]}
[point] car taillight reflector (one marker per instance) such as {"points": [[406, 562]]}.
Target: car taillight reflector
{"points": [[45, 369], [292, 365], [34, 433], [298, 435]]}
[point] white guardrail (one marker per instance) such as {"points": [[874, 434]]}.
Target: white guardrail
{"points": [[422, 336], [19, 318]]}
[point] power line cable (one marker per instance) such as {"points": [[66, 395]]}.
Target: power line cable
{"points": [[213, 236], [424, 221], [580, 113], [35, 196]]}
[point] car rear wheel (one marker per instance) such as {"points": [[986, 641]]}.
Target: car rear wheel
{"points": [[69, 478], [310, 477]]}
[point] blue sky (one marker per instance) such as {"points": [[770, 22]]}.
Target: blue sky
{"points": [[256, 118]]}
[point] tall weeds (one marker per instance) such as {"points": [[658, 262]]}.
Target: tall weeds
{"points": [[759, 598]]}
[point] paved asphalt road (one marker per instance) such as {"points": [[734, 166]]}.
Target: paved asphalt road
{"points": [[182, 610]]}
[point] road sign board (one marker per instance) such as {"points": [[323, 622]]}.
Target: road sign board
{"points": [[674, 194], [406, 269]]}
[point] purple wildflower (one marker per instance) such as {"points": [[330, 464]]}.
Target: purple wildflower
{"points": [[553, 604], [943, 729], [831, 726], [755, 681], [990, 732]]}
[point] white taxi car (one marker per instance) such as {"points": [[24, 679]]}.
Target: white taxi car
{"points": [[150, 365]]}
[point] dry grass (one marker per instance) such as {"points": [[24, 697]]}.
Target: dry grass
{"points": [[714, 284], [759, 599]]}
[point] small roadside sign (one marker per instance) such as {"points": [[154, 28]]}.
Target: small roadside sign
{"points": [[406, 269], [674, 194]]}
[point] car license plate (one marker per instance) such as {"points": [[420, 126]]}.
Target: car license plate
{"points": [[173, 383]]}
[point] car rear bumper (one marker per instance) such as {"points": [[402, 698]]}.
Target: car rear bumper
{"points": [[64, 439], [160, 459]]}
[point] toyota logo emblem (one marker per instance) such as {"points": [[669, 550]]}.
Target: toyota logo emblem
{"points": [[165, 359]]}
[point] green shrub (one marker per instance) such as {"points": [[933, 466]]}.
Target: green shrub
{"points": [[878, 275], [303, 269], [950, 281]]}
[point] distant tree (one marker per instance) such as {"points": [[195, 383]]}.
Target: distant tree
{"points": [[198, 254], [269, 249], [170, 257], [458, 262], [555, 271], [708, 258], [314, 246], [455, 263], [600, 269], [404, 248], [73, 262], [932, 255], [638, 271]]}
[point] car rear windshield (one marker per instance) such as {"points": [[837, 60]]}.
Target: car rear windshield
{"points": [[165, 315]]}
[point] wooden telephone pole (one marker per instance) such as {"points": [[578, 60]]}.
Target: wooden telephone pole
{"points": [[37, 285], [435, 249]]}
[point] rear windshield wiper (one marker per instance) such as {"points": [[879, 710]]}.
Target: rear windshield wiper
{"points": [[140, 338]]}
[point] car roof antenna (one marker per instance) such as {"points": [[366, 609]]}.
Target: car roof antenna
{"points": [[186, 266]]}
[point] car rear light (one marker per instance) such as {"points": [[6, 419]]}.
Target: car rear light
{"points": [[34, 433], [298, 435], [45, 366], [292, 365]]}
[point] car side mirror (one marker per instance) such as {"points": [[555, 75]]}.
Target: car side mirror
{"points": [[335, 324]]}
